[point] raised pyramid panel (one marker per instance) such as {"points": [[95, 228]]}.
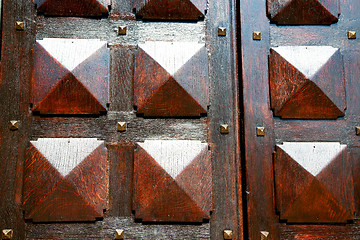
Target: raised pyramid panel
{"points": [[296, 12], [70, 76], [307, 182], [163, 187], [65, 179], [170, 9], [171, 79], [307, 82], [76, 8]]}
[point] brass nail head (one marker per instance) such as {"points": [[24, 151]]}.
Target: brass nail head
{"points": [[224, 129], [119, 234], [221, 31], [357, 130], [122, 30], [14, 125], [264, 235], [7, 234], [121, 126], [256, 35], [20, 26], [351, 34], [228, 234], [260, 131]]}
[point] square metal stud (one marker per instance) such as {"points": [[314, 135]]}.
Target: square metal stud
{"points": [[122, 30], [256, 35], [7, 234], [20, 26], [224, 129], [14, 125], [221, 31], [260, 131], [264, 235], [357, 130], [121, 126], [228, 234], [351, 34], [119, 234]]}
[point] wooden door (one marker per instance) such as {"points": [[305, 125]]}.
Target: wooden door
{"points": [[119, 119], [301, 118]]}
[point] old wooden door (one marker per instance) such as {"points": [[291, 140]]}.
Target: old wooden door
{"points": [[119, 119], [300, 62]]}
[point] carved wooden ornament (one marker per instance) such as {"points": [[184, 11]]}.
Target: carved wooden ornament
{"points": [[303, 11], [172, 181], [307, 82], [65, 180], [80, 8], [313, 182], [171, 79], [170, 9], [70, 76]]}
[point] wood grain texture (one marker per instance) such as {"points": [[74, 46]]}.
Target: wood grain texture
{"points": [[70, 76], [313, 183], [81, 8], [171, 79], [170, 9], [172, 181], [289, 12], [307, 82], [65, 180]]}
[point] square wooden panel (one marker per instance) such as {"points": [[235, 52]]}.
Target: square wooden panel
{"points": [[303, 11], [79, 8], [313, 182], [307, 82], [70, 76], [172, 181], [170, 9], [65, 179], [171, 79]]}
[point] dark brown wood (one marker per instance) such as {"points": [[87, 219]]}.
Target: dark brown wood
{"points": [[171, 79], [65, 180], [172, 181], [83, 8], [303, 11], [70, 76], [170, 9]]}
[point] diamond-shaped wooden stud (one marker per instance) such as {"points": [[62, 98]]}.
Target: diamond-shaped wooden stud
{"points": [[351, 34], [7, 234], [224, 128], [256, 35], [260, 131], [311, 175], [307, 82], [70, 76], [303, 12], [122, 30], [172, 181], [264, 235], [221, 31], [14, 125], [81, 8], [65, 180], [170, 9], [121, 126], [171, 79], [20, 26], [119, 234], [357, 130], [228, 234]]}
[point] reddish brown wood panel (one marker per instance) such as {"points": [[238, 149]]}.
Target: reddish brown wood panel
{"points": [[81, 8], [65, 179], [172, 181], [303, 11], [170, 9], [313, 182], [307, 82], [171, 79], [70, 76]]}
